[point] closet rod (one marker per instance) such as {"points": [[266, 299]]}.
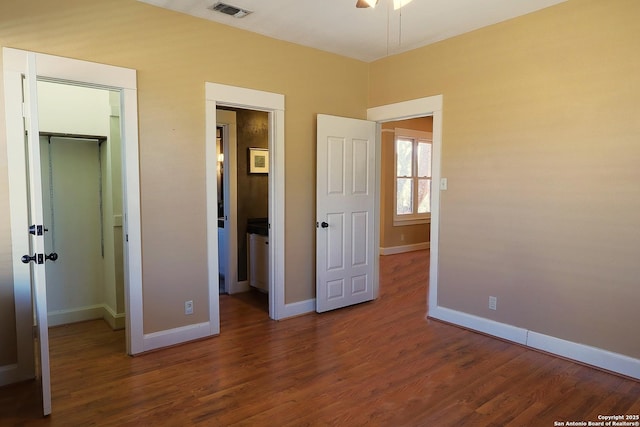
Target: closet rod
{"points": [[99, 138]]}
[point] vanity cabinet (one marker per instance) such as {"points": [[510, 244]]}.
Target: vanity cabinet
{"points": [[259, 262]]}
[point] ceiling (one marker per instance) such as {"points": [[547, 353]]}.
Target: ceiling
{"points": [[365, 34]]}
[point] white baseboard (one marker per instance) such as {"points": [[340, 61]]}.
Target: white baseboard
{"points": [[392, 250], [242, 286], [469, 321], [10, 374], [91, 312], [175, 336], [184, 334], [593, 356], [115, 320], [298, 308], [73, 315]]}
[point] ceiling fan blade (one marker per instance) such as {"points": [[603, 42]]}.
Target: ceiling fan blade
{"points": [[366, 3]]}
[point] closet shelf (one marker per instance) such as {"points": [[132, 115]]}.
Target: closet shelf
{"points": [[99, 138]]}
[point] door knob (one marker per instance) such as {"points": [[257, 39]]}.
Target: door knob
{"points": [[324, 225], [27, 259], [37, 258]]}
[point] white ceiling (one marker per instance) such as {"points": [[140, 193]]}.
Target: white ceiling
{"points": [[365, 34]]}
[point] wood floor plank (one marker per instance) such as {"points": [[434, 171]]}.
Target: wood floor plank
{"points": [[379, 363]]}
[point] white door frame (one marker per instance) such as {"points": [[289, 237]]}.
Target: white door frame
{"points": [[231, 96], [123, 80], [429, 106]]}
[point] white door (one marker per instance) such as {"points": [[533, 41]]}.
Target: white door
{"points": [[345, 212], [36, 259]]}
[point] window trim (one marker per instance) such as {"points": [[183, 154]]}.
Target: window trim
{"points": [[416, 136]]}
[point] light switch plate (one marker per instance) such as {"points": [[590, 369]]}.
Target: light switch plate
{"points": [[443, 183]]}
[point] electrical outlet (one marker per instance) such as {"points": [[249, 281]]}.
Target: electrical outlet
{"points": [[493, 303], [188, 307], [402, 237]]}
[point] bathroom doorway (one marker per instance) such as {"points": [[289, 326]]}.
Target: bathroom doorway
{"points": [[243, 203]]}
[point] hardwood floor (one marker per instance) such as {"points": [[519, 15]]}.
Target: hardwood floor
{"points": [[378, 363]]}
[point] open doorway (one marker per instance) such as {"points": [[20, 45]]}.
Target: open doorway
{"points": [[81, 165], [242, 150], [421, 107], [405, 185], [218, 95], [22, 70]]}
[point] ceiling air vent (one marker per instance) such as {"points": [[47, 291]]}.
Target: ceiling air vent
{"points": [[227, 9]]}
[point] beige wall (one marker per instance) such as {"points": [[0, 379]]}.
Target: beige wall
{"points": [[541, 148], [390, 235], [175, 55]]}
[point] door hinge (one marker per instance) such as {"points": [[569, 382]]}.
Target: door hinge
{"points": [[35, 332]]}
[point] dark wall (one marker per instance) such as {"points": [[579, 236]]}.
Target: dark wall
{"points": [[253, 189]]}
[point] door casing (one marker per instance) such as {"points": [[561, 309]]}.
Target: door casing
{"points": [[232, 96], [428, 106], [123, 80]]}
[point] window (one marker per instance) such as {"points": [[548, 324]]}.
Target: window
{"points": [[412, 177]]}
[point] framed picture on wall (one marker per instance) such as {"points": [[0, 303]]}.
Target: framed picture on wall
{"points": [[258, 160]]}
